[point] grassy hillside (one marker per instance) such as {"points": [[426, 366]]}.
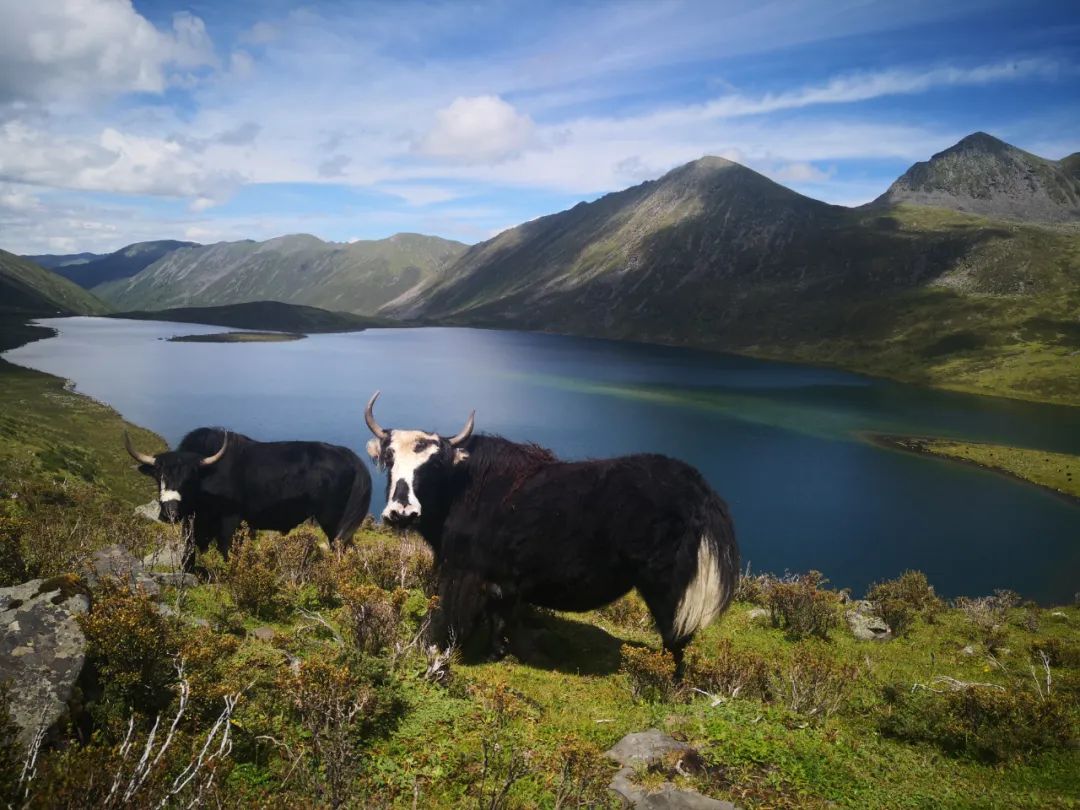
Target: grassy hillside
{"points": [[340, 704], [262, 315], [1058, 472], [356, 277], [120, 264], [28, 288]]}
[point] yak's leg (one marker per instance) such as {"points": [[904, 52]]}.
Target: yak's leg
{"points": [[227, 530], [663, 604], [504, 604]]}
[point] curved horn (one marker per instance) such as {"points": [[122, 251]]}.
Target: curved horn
{"points": [[142, 458], [214, 459], [466, 431], [369, 417]]}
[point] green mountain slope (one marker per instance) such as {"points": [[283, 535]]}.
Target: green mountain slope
{"points": [[984, 175], [123, 263], [262, 315], [715, 255], [357, 277], [28, 289]]}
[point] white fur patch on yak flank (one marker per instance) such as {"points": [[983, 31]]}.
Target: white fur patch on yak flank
{"points": [[701, 601]]}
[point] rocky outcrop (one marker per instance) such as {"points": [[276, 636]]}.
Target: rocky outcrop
{"points": [[42, 650], [650, 749], [865, 624]]}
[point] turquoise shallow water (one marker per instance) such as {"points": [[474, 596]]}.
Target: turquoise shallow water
{"points": [[778, 441]]}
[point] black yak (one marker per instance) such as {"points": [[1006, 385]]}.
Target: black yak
{"points": [[570, 536], [219, 479]]}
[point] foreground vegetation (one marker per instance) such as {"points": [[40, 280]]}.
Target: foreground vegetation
{"points": [[1058, 472], [286, 677]]}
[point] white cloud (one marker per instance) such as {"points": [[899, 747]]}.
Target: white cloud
{"points": [[480, 129], [420, 195], [77, 50], [800, 172], [113, 161]]}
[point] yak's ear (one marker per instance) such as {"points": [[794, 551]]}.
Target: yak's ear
{"points": [[374, 449], [147, 469], [460, 455]]}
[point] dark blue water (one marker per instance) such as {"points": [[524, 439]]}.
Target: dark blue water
{"points": [[778, 441]]}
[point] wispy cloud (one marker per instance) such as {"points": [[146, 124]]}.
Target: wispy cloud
{"points": [[430, 108]]}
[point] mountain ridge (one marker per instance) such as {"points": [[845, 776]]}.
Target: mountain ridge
{"points": [[357, 277], [984, 175], [715, 255]]}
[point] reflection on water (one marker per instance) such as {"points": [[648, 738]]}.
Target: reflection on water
{"points": [[778, 441]]}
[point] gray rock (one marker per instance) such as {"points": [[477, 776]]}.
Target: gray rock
{"points": [[118, 563], [150, 511], [263, 633], [42, 650], [644, 749], [168, 558], [865, 624], [969, 650]]}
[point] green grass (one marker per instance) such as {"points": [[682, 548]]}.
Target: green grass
{"points": [[565, 689], [47, 428], [1059, 472]]}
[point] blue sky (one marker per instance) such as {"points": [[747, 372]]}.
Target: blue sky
{"points": [[357, 120]]}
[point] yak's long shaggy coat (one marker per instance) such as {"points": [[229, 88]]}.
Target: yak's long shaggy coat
{"points": [[577, 535]]}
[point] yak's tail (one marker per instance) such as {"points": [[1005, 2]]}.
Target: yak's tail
{"points": [[356, 509], [709, 565]]}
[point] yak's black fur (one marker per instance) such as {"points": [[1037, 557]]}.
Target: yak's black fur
{"points": [[570, 535], [268, 485]]}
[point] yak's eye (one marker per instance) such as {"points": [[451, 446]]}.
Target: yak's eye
{"points": [[422, 444]]}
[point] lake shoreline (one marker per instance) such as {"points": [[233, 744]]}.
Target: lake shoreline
{"points": [[930, 446]]}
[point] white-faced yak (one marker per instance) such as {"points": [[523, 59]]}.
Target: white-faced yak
{"points": [[517, 523], [218, 479]]}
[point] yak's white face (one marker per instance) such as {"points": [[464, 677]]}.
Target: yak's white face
{"points": [[403, 454], [415, 461]]}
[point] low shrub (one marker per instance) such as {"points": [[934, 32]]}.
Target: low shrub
{"points": [[11, 755], [393, 562], [372, 617], [811, 684], [296, 555], [802, 606], [981, 721], [1059, 652], [250, 575], [339, 704], [584, 773], [900, 601], [651, 673], [133, 648], [629, 612], [727, 672]]}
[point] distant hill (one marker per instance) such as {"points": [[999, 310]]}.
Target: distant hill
{"points": [[51, 261], [984, 175], [356, 277], [124, 263], [715, 255], [27, 289], [273, 315]]}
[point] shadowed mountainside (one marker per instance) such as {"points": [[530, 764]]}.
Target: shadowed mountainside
{"points": [[715, 255], [123, 263], [29, 289], [262, 315]]}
